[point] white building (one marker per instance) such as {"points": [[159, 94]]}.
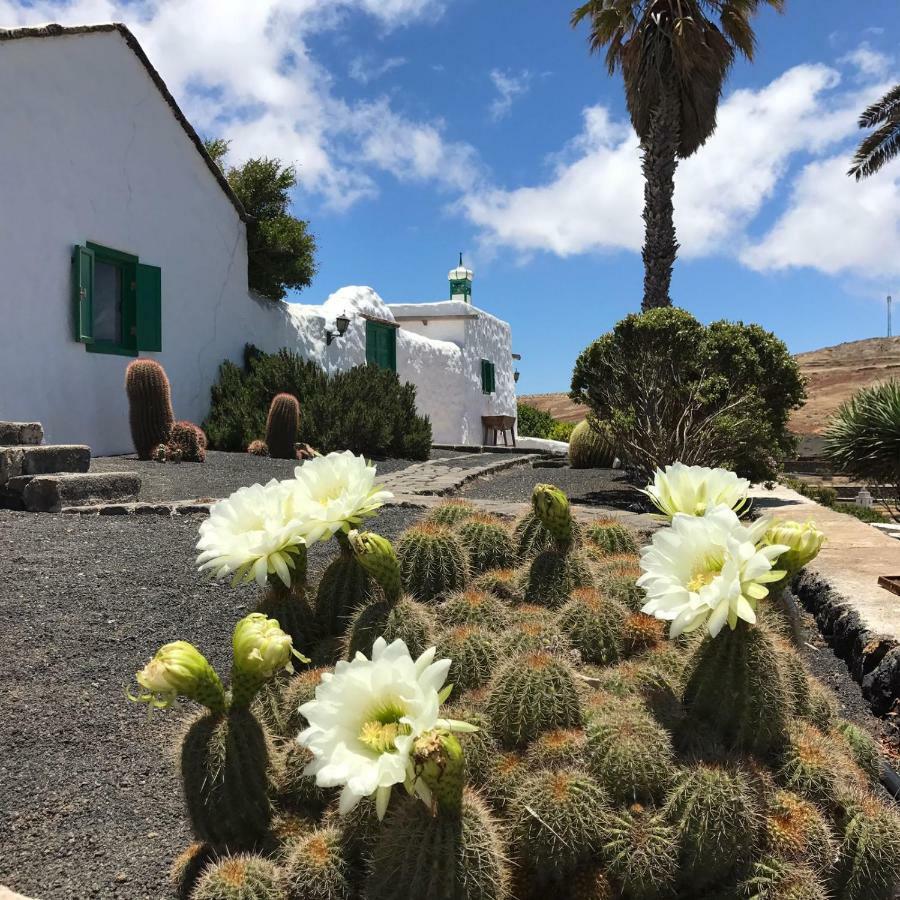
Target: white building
{"points": [[120, 237]]}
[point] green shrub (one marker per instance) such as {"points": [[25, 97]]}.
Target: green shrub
{"points": [[365, 409], [863, 438], [860, 512], [735, 384], [533, 422], [562, 431]]}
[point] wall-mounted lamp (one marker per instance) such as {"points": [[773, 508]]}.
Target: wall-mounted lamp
{"points": [[342, 323], [516, 375]]}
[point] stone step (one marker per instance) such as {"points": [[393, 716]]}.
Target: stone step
{"points": [[45, 459], [14, 434], [50, 493]]}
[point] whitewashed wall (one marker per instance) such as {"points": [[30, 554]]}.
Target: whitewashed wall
{"points": [[91, 152]]}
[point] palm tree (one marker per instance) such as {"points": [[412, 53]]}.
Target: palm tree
{"points": [[884, 144], [674, 56]]}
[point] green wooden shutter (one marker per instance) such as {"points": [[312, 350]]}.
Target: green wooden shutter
{"points": [[371, 343], [83, 293], [390, 338], [493, 378], [381, 345], [148, 308]]}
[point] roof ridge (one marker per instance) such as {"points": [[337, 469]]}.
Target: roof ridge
{"points": [[54, 29]]}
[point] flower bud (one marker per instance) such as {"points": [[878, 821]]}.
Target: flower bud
{"points": [[551, 506], [179, 668], [261, 649], [438, 770], [804, 540], [376, 555]]}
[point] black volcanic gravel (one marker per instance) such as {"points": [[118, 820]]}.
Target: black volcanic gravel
{"points": [[219, 476], [90, 800], [596, 487]]}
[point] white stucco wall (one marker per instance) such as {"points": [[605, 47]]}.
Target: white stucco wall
{"points": [[92, 152]]}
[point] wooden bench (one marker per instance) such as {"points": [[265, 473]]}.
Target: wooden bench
{"points": [[490, 425]]}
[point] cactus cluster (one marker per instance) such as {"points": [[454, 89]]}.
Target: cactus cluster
{"points": [[609, 762]]}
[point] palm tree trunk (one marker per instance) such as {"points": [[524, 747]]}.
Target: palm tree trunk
{"points": [[659, 164]]}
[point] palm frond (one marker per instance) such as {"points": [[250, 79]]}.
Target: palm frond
{"points": [[881, 111], [883, 144]]}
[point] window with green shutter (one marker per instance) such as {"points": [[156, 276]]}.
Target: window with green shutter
{"points": [[117, 301], [488, 377], [381, 345]]}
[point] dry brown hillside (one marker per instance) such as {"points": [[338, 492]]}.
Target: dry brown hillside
{"points": [[833, 373]]}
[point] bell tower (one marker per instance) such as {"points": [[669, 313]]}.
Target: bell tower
{"points": [[461, 282]]}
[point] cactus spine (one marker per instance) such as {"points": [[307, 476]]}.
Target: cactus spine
{"points": [[433, 562], [282, 427], [223, 769], [149, 406]]}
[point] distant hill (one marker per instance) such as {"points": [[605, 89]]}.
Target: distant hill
{"points": [[833, 375]]}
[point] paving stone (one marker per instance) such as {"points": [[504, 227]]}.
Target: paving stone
{"points": [[18, 433], [50, 493], [43, 460]]}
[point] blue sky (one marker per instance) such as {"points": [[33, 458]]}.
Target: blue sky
{"points": [[425, 127]]}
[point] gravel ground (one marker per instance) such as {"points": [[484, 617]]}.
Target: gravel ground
{"points": [[219, 476], [596, 487], [90, 802]]}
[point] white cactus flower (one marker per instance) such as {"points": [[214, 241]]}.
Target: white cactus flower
{"points": [[334, 493], [708, 570], [252, 534], [366, 717], [695, 490]]}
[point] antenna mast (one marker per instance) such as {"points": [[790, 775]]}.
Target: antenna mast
{"points": [[889, 302]]}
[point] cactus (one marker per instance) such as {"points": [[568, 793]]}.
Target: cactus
{"points": [[283, 426], [623, 589], [611, 537], [716, 819], [640, 853], [223, 768], [795, 679], [298, 690], [433, 562], [407, 620], [736, 688], [815, 766], [291, 607], [442, 857], [614, 565], [551, 506], [452, 513], [554, 574], [190, 439], [473, 654], [316, 867], [869, 864], [345, 587], [292, 788], [188, 867], [594, 626], [862, 749], [822, 708], [241, 877], [475, 607], [797, 832], [591, 883], [505, 772], [479, 748], [529, 694], [531, 537], [376, 555], [505, 584], [629, 753], [641, 632], [489, 544], [534, 629], [149, 406], [258, 448], [774, 879], [558, 823], [564, 748], [589, 448]]}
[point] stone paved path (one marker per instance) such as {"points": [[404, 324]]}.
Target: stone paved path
{"points": [[443, 476]]}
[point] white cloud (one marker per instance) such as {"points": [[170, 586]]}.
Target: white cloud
{"points": [[366, 68], [244, 70], [509, 86], [869, 62], [592, 199]]}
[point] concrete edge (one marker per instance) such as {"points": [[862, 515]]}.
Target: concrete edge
{"points": [[872, 658]]}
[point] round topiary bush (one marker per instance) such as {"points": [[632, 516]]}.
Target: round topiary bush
{"points": [[589, 448]]}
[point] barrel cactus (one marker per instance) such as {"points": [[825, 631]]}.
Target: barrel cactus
{"points": [[283, 426], [433, 562], [190, 440], [240, 877], [589, 448], [149, 406], [611, 537], [452, 513], [488, 542], [594, 626]]}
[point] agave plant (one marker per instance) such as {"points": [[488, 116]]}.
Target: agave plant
{"points": [[863, 439]]}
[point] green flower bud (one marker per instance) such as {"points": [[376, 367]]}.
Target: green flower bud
{"points": [[438, 771], [181, 669], [551, 506], [376, 555], [261, 649], [804, 540]]}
